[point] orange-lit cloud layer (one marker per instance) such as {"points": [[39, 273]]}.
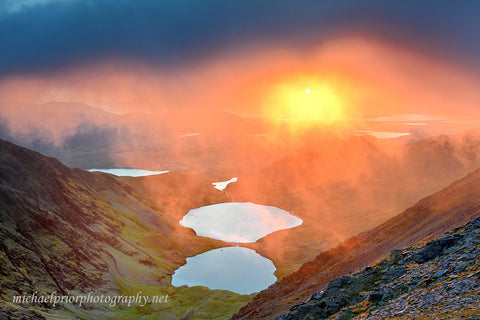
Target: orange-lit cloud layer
{"points": [[371, 78]]}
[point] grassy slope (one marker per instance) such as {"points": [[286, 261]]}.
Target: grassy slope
{"points": [[72, 231]]}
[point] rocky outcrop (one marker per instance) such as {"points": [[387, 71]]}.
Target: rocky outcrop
{"points": [[438, 280], [431, 217]]}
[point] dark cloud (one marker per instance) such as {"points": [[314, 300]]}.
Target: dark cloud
{"points": [[61, 33]]}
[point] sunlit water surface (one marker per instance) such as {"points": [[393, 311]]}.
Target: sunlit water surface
{"points": [[238, 221], [129, 172]]}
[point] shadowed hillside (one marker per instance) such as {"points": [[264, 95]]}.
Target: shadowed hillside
{"points": [[70, 231]]}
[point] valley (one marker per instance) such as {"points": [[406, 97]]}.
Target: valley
{"points": [[136, 241], [227, 160]]}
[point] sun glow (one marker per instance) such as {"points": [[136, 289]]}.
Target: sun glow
{"points": [[321, 103]]}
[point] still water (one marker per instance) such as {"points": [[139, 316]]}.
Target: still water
{"points": [[237, 269], [129, 172], [238, 221]]}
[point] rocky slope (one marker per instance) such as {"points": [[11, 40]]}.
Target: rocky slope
{"points": [[439, 280], [429, 218], [70, 231]]}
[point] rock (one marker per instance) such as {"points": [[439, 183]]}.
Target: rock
{"points": [[440, 273], [429, 252], [435, 248], [393, 272], [461, 267], [447, 241], [332, 306], [395, 252], [316, 295], [340, 282], [336, 284], [413, 284], [470, 256], [375, 296]]}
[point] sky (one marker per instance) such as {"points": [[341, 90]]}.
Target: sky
{"points": [[147, 55], [45, 35]]}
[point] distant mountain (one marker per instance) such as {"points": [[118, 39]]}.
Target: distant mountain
{"points": [[83, 136], [71, 132], [71, 231], [429, 218], [439, 280]]}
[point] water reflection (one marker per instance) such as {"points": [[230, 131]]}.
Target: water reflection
{"points": [[237, 269]]}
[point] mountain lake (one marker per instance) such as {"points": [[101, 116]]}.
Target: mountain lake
{"points": [[237, 269]]}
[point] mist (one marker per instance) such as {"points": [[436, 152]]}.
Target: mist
{"points": [[222, 118], [236, 93]]}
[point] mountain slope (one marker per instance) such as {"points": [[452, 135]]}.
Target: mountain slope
{"points": [[440, 280], [70, 231], [341, 187], [429, 218]]}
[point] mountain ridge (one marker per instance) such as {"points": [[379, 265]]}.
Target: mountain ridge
{"points": [[439, 280], [430, 217]]}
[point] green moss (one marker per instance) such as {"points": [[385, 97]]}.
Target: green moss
{"points": [[197, 302]]}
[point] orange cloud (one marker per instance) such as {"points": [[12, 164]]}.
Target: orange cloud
{"points": [[365, 77]]}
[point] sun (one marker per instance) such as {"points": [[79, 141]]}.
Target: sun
{"points": [[317, 102]]}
